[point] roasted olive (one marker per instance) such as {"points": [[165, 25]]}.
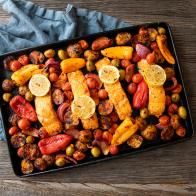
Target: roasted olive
{"points": [[30, 139], [114, 149], [167, 133], [70, 150], [122, 74], [161, 30], [49, 159], [77, 155], [150, 133], [81, 146], [22, 90], [15, 65], [62, 54], [95, 151], [129, 72], [40, 164], [181, 131], [144, 113], [29, 96], [23, 60], [142, 123], [26, 166], [53, 77], [24, 123], [105, 107], [94, 95], [36, 57], [115, 62], [103, 94], [175, 97], [18, 140], [182, 112], [91, 55], [7, 61], [13, 119], [31, 151], [58, 96], [90, 66], [50, 53], [169, 72], [125, 63], [74, 50], [137, 78], [13, 130], [85, 136], [84, 44], [135, 141], [7, 97], [175, 121], [123, 38], [60, 161], [7, 85]]}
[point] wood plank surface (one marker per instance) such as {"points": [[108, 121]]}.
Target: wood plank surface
{"points": [[166, 171]]}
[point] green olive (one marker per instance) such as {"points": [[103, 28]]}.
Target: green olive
{"points": [[122, 74], [50, 53], [161, 30], [62, 54], [30, 139], [175, 97], [95, 151], [182, 112], [7, 97], [115, 62], [144, 113], [70, 150], [60, 161], [29, 96], [90, 66]]}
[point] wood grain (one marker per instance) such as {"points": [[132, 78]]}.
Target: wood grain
{"points": [[166, 171]]}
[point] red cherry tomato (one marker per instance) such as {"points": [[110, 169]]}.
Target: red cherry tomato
{"points": [[132, 87], [13, 130], [137, 78], [114, 150], [23, 108], [54, 143], [15, 65], [150, 58], [24, 60], [24, 123]]}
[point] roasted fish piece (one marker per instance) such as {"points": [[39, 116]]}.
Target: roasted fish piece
{"points": [[79, 88]]}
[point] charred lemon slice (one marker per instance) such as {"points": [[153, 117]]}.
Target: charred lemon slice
{"points": [[154, 74], [39, 85], [83, 107], [109, 74]]}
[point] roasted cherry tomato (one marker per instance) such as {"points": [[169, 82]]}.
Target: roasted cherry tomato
{"points": [[23, 108]]}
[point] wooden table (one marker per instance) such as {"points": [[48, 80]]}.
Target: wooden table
{"points": [[166, 171]]}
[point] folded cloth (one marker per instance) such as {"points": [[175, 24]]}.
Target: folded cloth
{"points": [[32, 25]]}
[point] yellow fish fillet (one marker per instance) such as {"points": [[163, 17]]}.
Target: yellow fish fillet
{"points": [[79, 88], [116, 94], [157, 98], [47, 115]]}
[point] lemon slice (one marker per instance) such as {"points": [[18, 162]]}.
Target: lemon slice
{"points": [[83, 107], [154, 74], [39, 85], [109, 74]]}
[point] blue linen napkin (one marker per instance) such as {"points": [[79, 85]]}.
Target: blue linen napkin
{"points": [[32, 25]]}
